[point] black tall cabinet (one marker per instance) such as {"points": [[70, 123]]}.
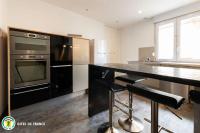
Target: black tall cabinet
{"points": [[61, 65]]}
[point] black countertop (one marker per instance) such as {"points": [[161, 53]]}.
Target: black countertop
{"points": [[188, 76]]}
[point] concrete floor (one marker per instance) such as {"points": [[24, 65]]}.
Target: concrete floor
{"points": [[67, 114]]}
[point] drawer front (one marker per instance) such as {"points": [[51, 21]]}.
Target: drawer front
{"points": [[23, 98]]}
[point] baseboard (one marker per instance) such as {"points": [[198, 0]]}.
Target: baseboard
{"points": [[77, 93]]}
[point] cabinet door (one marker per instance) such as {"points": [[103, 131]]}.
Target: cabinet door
{"points": [[61, 80], [80, 51], [80, 77]]}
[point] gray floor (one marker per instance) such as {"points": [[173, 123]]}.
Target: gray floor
{"points": [[69, 115]]}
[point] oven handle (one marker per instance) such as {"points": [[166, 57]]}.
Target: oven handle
{"points": [[29, 91], [22, 60], [18, 88], [61, 66]]}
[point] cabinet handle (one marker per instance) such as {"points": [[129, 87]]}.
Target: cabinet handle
{"points": [[104, 74], [29, 91], [31, 35], [61, 66]]}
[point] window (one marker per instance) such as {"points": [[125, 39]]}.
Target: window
{"points": [[179, 39], [166, 40], [189, 38]]}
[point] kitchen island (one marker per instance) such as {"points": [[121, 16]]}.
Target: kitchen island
{"points": [[98, 94]]}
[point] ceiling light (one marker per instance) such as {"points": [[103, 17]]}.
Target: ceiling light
{"points": [[140, 12]]}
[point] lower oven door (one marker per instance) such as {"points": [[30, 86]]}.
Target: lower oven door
{"points": [[29, 70]]}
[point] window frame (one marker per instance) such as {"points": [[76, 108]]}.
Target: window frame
{"points": [[156, 39], [177, 21]]}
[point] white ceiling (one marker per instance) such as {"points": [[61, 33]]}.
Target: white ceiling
{"points": [[119, 13]]}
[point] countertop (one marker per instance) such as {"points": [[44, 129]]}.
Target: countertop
{"points": [[174, 64], [188, 76]]}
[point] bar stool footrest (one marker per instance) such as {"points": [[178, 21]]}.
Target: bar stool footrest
{"points": [[160, 127]]}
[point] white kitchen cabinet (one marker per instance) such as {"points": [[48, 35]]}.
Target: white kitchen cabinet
{"points": [[80, 77], [81, 59]]}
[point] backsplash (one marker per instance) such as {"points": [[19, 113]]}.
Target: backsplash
{"points": [[146, 54]]}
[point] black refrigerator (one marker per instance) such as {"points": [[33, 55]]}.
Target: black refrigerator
{"points": [[61, 65]]}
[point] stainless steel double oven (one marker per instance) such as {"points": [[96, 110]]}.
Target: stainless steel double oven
{"points": [[30, 59]]}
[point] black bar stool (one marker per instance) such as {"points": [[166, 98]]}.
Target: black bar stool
{"points": [[156, 97], [113, 88], [195, 97], [131, 124]]}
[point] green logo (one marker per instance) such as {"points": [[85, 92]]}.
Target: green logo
{"points": [[8, 123]]}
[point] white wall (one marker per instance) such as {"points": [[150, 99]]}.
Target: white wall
{"points": [[40, 16], [113, 49], [135, 36], [1, 13]]}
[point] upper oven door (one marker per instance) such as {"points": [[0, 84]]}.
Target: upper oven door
{"points": [[29, 70], [29, 43]]}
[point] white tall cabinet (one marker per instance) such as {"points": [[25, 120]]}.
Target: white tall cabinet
{"points": [[81, 59]]}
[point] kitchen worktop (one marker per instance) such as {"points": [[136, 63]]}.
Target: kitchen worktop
{"points": [[169, 63], [189, 75], [174, 64]]}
